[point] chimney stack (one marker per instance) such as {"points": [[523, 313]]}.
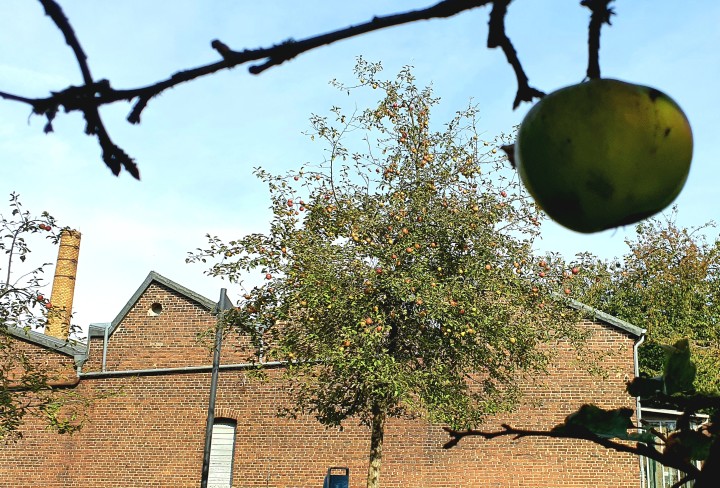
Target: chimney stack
{"points": [[63, 288]]}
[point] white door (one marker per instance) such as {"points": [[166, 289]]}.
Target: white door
{"points": [[222, 448]]}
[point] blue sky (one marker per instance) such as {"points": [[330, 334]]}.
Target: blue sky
{"points": [[198, 143]]}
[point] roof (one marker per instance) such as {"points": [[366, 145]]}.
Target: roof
{"points": [[98, 329], [607, 318], [71, 348], [79, 351]]}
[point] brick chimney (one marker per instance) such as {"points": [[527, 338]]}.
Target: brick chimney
{"points": [[63, 288]]}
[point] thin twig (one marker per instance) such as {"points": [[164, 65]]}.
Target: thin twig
{"points": [[115, 158], [54, 11], [498, 38], [601, 14], [17, 98]]}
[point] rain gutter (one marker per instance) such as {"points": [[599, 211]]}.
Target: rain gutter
{"points": [[180, 370], [638, 411]]}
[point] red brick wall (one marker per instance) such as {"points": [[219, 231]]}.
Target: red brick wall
{"points": [[151, 433], [177, 337], [58, 367]]}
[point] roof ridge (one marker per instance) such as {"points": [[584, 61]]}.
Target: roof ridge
{"points": [[152, 277]]}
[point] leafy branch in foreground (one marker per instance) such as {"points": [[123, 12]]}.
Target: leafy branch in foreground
{"points": [[92, 94], [614, 429], [20, 296]]}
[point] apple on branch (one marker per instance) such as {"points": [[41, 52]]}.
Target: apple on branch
{"points": [[604, 153]]}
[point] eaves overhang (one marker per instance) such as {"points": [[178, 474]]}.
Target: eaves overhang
{"points": [[76, 350], [606, 318]]}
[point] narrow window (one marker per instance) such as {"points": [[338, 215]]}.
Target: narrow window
{"points": [[222, 448]]}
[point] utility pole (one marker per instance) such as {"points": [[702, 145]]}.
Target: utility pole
{"points": [[223, 304]]}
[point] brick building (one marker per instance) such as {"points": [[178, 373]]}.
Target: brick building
{"points": [[150, 431]]}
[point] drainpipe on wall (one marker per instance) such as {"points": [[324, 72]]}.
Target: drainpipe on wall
{"points": [[105, 346], [63, 289], [223, 304], [638, 412]]}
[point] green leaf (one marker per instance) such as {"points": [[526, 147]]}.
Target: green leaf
{"points": [[603, 423], [688, 445], [678, 370], [645, 387], [646, 437]]}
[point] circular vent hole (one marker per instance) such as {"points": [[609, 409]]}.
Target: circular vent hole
{"points": [[155, 309]]}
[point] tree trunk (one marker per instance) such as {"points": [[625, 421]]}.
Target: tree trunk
{"points": [[376, 446]]}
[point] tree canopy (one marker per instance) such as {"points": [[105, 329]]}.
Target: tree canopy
{"points": [[667, 282], [397, 276]]}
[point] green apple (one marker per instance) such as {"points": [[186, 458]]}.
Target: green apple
{"points": [[604, 153]]}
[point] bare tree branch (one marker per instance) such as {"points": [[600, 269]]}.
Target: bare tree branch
{"points": [[88, 97], [114, 157], [285, 51]]}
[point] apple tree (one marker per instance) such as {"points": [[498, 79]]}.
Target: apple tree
{"points": [[397, 277], [25, 386], [20, 292]]}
